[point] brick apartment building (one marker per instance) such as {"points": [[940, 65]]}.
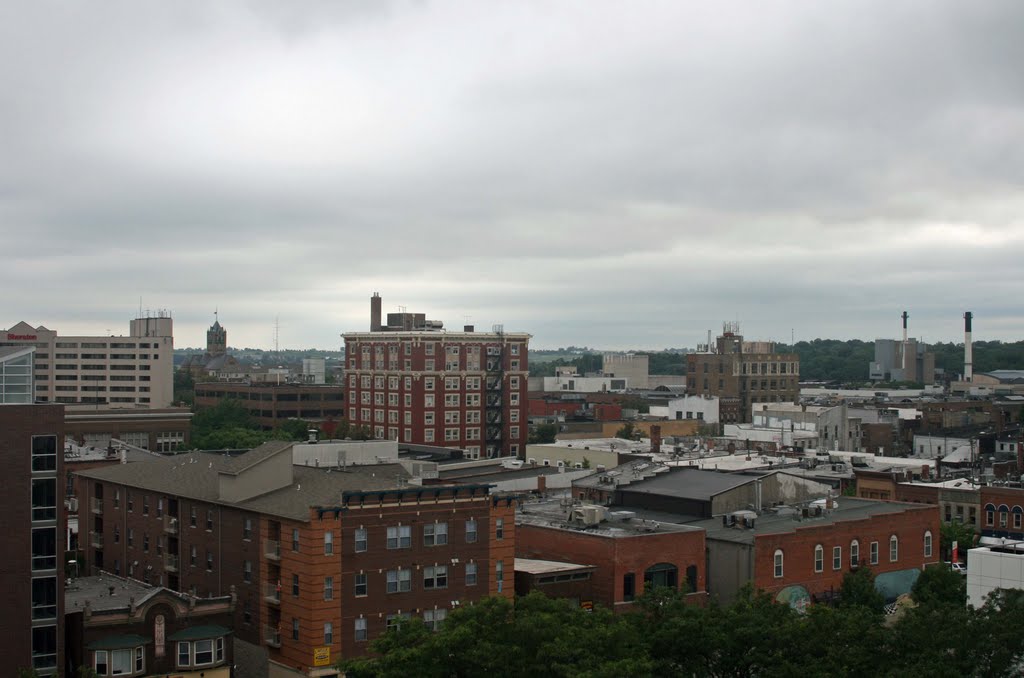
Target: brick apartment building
{"points": [[32, 574], [1002, 511], [322, 559], [742, 373], [626, 553], [272, 404], [411, 381]]}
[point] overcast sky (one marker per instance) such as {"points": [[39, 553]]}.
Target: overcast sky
{"points": [[611, 174]]}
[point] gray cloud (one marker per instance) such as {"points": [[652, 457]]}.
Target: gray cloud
{"points": [[588, 174]]}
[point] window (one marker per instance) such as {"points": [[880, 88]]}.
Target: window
{"points": [[44, 548], [433, 618], [295, 540], [328, 543], [928, 544], [471, 531], [209, 560], [1003, 515], [328, 633], [894, 549], [247, 529], [192, 556], [360, 539], [499, 574], [295, 629], [209, 519], [44, 598], [328, 588], [837, 557], [400, 537], [499, 528], [100, 663], [184, 653], [470, 574], [44, 454], [360, 584], [191, 516], [399, 581], [778, 563], [247, 571], [819, 558], [44, 499], [628, 586], [435, 534], [130, 534], [122, 662], [435, 577], [873, 553], [854, 553], [295, 585], [361, 628], [989, 517]]}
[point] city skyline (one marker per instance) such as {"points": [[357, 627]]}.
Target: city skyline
{"points": [[615, 180]]}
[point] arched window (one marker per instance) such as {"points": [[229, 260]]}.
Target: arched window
{"points": [[837, 557], [1017, 511], [854, 553], [894, 549], [778, 563], [928, 544], [819, 558], [990, 514], [1004, 515], [662, 574]]}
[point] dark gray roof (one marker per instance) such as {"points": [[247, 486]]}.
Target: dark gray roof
{"points": [[847, 508], [195, 476], [690, 483], [11, 350]]}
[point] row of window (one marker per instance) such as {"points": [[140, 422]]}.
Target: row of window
{"points": [[1004, 512], [837, 554], [451, 383]]}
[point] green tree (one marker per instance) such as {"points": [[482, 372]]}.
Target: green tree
{"points": [[858, 590], [543, 434], [628, 432], [957, 532], [939, 586], [184, 387]]}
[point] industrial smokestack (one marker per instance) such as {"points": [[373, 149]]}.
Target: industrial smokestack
{"points": [[968, 349], [905, 316], [375, 315]]}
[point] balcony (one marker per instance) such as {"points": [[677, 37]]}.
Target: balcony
{"points": [[170, 524], [96, 540], [171, 562], [272, 549], [272, 593], [96, 505], [271, 636]]}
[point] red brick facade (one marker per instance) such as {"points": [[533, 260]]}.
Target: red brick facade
{"points": [[798, 549], [463, 390], [617, 556]]}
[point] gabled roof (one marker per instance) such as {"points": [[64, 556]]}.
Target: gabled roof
{"points": [[689, 483]]}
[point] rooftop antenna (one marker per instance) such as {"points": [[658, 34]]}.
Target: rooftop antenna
{"points": [[277, 332]]}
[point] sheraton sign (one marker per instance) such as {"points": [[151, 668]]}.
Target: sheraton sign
{"points": [[21, 337]]}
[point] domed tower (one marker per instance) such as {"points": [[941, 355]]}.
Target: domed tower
{"points": [[216, 339]]}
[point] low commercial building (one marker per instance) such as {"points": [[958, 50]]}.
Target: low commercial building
{"points": [[1003, 513], [990, 568], [160, 429], [556, 579], [273, 404], [800, 555], [627, 553]]}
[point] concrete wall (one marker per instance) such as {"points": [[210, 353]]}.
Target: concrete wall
{"points": [[730, 566], [704, 409], [629, 366], [578, 384], [988, 570], [571, 456], [332, 453]]}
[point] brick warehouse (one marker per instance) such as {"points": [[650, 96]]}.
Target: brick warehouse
{"points": [[322, 559], [411, 381], [802, 558], [627, 552]]}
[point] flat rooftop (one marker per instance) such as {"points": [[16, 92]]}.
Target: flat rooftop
{"points": [[621, 522], [104, 592]]}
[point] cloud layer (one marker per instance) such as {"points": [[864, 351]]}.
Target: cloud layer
{"points": [[593, 173]]}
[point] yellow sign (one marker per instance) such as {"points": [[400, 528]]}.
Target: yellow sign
{"points": [[322, 656]]}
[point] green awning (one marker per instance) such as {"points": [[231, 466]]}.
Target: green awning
{"points": [[118, 642], [200, 633]]}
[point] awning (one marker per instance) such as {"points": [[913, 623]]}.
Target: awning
{"points": [[200, 633], [118, 642]]}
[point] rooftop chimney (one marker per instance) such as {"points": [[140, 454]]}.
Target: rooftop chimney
{"points": [[375, 315], [968, 364]]}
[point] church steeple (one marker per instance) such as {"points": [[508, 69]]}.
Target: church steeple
{"points": [[216, 338]]}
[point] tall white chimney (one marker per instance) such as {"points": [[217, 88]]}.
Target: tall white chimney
{"points": [[968, 349], [904, 350]]}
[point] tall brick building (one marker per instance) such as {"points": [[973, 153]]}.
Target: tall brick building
{"points": [[322, 559], [410, 380], [742, 373], [32, 573]]}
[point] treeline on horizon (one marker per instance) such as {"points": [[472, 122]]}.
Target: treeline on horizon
{"points": [[934, 635], [836, 360]]}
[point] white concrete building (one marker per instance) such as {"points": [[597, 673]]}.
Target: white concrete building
{"points": [[994, 567], [136, 370], [577, 384], [936, 447], [697, 407], [628, 366]]}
